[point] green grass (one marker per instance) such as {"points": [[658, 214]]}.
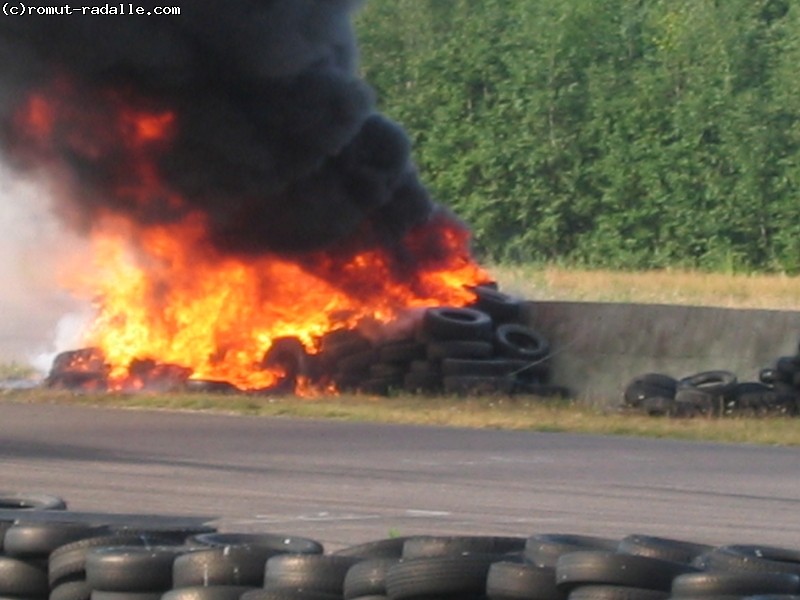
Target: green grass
{"points": [[518, 413]]}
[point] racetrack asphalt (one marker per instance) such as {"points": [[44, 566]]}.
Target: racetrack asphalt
{"points": [[347, 483]]}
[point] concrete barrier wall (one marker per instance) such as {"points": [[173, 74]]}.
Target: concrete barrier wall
{"points": [[599, 347]]}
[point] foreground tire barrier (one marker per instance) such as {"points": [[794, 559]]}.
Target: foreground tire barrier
{"points": [[199, 564]]}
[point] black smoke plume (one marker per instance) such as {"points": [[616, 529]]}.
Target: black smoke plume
{"points": [[278, 140]]}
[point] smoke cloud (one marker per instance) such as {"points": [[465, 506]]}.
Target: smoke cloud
{"points": [[277, 139]]}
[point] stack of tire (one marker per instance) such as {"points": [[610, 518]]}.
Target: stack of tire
{"points": [[716, 393], [475, 350], [65, 558]]}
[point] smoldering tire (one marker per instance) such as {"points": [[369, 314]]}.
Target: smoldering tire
{"points": [[102, 559]]}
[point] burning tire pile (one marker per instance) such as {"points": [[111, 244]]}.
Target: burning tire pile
{"points": [[484, 348], [67, 556], [718, 393]]}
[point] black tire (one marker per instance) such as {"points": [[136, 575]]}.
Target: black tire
{"points": [[649, 385], [513, 580], [518, 341], [465, 385], [452, 323], [319, 573], [39, 539], [358, 363], [18, 501], [207, 592], [717, 383], [422, 383], [23, 578], [159, 529], [659, 406], [501, 307], [767, 376], [288, 594], [132, 569], [739, 583], [752, 558], [379, 386], [368, 577], [71, 590], [69, 562], [767, 403], [610, 568], [388, 370], [662, 548], [691, 401], [457, 367], [287, 544], [544, 550], [441, 350], [209, 386], [403, 351], [235, 565], [426, 546], [451, 576], [615, 592], [385, 548]]}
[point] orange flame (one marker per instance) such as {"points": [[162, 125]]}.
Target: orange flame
{"points": [[162, 293]]}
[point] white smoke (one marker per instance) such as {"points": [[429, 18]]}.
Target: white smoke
{"points": [[37, 316]]}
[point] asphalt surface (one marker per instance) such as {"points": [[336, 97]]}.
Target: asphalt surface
{"points": [[346, 483]]}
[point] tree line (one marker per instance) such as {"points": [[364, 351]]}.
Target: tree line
{"points": [[616, 133]]}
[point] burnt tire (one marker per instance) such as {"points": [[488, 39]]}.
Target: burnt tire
{"points": [[452, 323], [518, 341], [610, 568], [501, 307], [544, 550], [508, 580], [456, 367], [465, 385], [422, 383], [441, 350], [403, 351], [463, 577], [740, 583]]}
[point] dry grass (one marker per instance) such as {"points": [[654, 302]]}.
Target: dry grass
{"points": [[519, 413], [651, 287]]}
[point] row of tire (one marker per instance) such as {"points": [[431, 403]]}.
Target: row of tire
{"points": [[717, 393], [64, 558]]}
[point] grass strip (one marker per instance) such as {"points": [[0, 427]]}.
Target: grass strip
{"points": [[522, 413]]}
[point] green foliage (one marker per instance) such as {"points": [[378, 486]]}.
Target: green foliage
{"points": [[619, 133]]}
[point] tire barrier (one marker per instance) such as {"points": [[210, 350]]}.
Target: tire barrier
{"points": [[479, 349], [718, 393], [111, 563]]}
